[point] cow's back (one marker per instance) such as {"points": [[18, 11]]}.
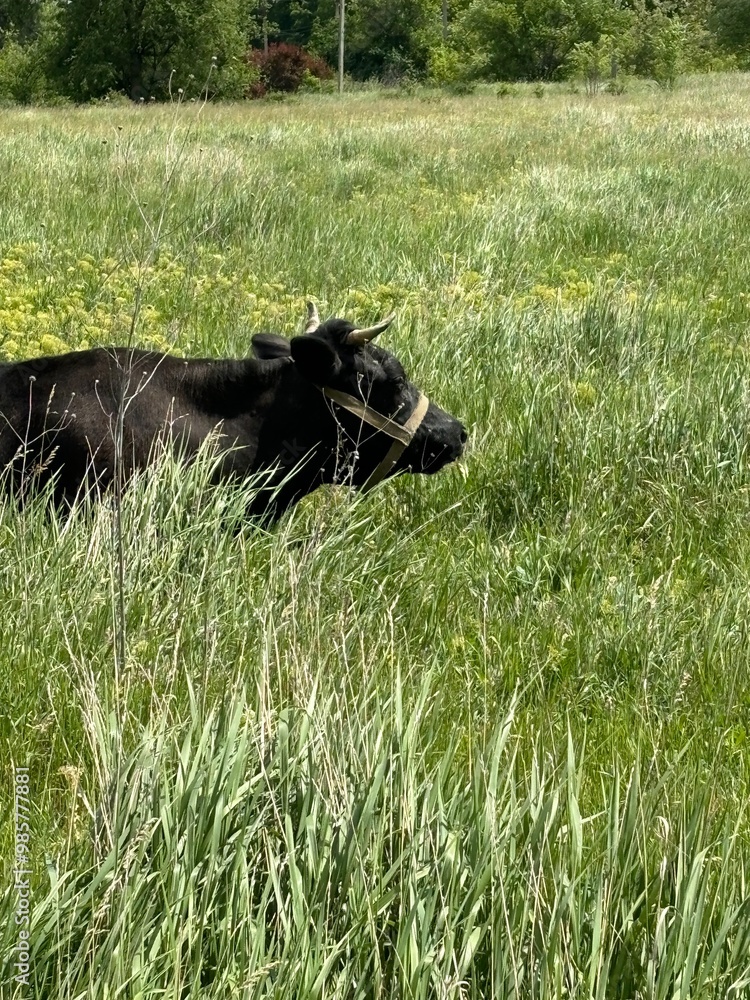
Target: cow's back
{"points": [[59, 414]]}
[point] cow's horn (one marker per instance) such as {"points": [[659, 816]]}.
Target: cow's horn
{"points": [[360, 337], [313, 320]]}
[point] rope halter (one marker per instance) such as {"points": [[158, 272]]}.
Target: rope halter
{"points": [[402, 434]]}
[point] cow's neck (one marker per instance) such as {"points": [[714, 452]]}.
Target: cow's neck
{"points": [[293, 438], [230, 388]]}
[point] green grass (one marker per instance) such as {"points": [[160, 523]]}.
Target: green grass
{"points": [[484, 734]]}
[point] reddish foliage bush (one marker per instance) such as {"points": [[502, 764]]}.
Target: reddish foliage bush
{"points": [[283, 68]]}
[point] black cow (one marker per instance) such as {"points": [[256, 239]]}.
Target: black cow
{"points": [[325, 407]]}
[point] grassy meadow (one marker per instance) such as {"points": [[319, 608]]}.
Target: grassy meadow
{"points": [[480, 735]]}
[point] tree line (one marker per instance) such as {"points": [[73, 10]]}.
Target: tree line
{"points": [[148, 49]]}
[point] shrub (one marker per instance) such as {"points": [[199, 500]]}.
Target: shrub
{"points": [[116, 98], [668, 52], [616, 85], [284, 68], [398, 70], [443, 65], [659, 45], [22, 76], [461, 88], [233, 78], [315, 84], [256, 90], [593, 63]]}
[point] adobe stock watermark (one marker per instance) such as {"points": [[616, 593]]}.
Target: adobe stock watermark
{"points": [[22, 878]]}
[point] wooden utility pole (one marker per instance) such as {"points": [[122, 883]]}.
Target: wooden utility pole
{"points": [[445, 21], [341, 45]]}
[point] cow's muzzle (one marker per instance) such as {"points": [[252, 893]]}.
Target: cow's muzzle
{"points": [[441, 440]]}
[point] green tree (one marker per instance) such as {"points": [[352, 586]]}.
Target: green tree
{"points": [[27, 56], [531, 39], [19, 19], [658, 43], [730, 21], [488, 32], [137, 46], [383, 37]]}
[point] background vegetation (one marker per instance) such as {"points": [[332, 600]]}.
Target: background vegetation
{"points": [[484, 734], [52, 50]]}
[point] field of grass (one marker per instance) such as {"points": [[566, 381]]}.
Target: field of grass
{"points": [[485, 734]]}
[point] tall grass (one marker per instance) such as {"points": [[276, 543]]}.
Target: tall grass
{"points": [[333, 851], [479, 735]]}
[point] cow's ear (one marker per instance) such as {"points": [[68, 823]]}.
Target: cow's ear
{"points": [[268, 346], [315, 359]]}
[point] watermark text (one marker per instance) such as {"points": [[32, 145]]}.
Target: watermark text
{"points": [[22, 877]]}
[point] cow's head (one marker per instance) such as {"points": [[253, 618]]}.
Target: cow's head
{"points": [[383, 424]]}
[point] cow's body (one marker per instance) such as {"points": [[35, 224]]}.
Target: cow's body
{"points": [[66, 419]]}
